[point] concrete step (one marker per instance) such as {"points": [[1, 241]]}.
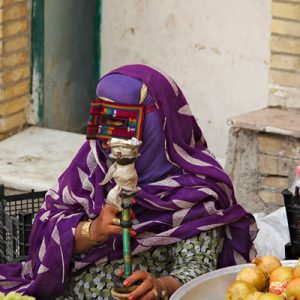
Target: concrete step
{"points": [[36, 157]]}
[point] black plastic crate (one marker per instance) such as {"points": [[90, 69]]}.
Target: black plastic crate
{"points": [[292, 207], [16, 215]]}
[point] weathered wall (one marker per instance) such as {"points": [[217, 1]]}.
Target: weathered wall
{"points": [[217, 51], [261, 165], [263, 152], [241, 165], [285, 57], [14, 65]]}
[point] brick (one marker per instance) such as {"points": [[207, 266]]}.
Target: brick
{"points": [[4, 135], [15, 105], [15, 90], [22, 72], [15, 44], [274, 182], [267, 165], [296, 1], [270, 144], [16, 11], [286, 10], [9, 2], [285, 27], [293, 149], [1, 14], [12, 121], [278, 145], [285, 78], [285, 62], [13, 59], [278, 166], [16, 27], [271, 197], [282, 96], [285, 44]]}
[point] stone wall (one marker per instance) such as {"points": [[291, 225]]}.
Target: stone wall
{"points": [[14, 65], [241, 165], [278, 156], [262, 160]]}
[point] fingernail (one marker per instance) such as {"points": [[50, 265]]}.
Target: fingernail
{"points": [[131, 297], [126, 282], [133, 233]]}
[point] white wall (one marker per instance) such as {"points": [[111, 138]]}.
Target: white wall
{"points": [[217, 51]]}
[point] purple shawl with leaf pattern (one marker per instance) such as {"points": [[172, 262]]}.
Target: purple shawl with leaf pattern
{"points": [[197, 197]]}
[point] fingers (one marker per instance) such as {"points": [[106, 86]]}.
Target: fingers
{"points": [[149, 295], [112, 212], [111, 209], [108, 214], [152, 295], [133, 233], [113, 229], [144, 290], [135, 276], [107, 223], [116, 221], [132, 214]]}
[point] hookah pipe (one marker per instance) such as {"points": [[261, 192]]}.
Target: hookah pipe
{"points": [[124, 153], [120, 291], [126, 223]]}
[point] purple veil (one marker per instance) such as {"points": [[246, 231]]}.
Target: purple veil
{"points": [[196, 195]]}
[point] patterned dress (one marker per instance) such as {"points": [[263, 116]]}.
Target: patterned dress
{"points": [[184, 260]]}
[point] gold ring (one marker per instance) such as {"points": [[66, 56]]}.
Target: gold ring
{"points": [[155, 292], [116, 221]]}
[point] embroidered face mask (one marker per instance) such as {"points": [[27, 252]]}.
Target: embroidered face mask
{"points": [[110, 119]]}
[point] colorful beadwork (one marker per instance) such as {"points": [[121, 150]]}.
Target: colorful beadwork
{"points": [[109, 119]]}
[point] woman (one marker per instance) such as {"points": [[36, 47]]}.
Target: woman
{"points": [[186, 218]]}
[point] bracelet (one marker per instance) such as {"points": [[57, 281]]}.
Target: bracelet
{"points": [[164, 295], [163, 292], [85, 232]]}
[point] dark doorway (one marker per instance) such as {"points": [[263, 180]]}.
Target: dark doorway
{"points": [[70, 62]]}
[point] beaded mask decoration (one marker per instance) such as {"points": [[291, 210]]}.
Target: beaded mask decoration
{"points": [[110, 119]]}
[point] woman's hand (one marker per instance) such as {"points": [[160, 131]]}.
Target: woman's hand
{"points": [[149, 289], [106, 224], [101, 228]]}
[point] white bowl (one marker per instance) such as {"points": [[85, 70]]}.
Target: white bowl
{"points": [[213, 285]]}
